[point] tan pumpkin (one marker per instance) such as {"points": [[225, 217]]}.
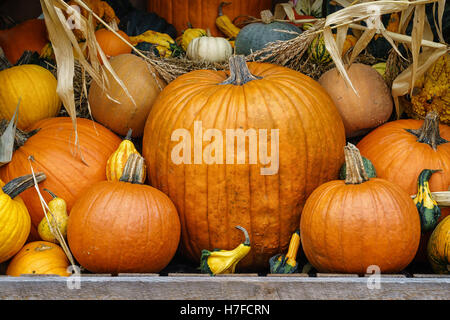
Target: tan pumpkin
{"points": [[35, 88], [120, 115], [39, 257], [370, 108]]}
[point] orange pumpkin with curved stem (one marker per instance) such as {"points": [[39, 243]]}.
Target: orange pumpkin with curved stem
{"points": [[55, 154], [347, 226], [213, 198], [39, 257]]}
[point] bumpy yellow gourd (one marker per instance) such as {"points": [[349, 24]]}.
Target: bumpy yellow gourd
{"points": [[15, 221], [116, 162], [224, 23], [35, 87], [224, 261], [164, 43], [189, 35], [432, 92], [57, 218]]}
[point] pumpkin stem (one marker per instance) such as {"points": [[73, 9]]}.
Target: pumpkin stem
{"points": [[133, 170], [429, 132], [239, 72], [20, 184], [21, 136], [221, 5], [247, 238], [267, 16], [355, 172]]}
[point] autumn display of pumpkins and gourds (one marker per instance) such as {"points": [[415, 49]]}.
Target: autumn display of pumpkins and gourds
{"points": [[124, 206]]}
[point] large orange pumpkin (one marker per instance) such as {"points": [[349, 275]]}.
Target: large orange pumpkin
{"points": [[349, 225], [203, 13], [286, 109], [54, 154], [118, 226], [122, 114], [400, 150], [28, 35]]}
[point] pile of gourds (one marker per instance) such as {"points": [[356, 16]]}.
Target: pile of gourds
{"points": [[135, 187]]}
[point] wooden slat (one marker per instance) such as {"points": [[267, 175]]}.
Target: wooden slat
{"points": [[228, 288]]}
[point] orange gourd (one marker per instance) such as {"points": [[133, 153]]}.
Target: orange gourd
{"points": [[55, 154], [123, 226], [214, 195], [203, 13], [111, 44], [39, 257], [348, 226], [28, 35]]}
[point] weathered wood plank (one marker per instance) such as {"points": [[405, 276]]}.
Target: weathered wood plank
{"points": [[228, 288]]}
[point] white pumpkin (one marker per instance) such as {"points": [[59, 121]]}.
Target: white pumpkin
{"points": [[210, 49]]}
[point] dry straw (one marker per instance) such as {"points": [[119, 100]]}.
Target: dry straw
{"points": [[420, 46]]}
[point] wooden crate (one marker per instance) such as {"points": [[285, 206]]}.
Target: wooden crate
{"points": [[182, 286]]}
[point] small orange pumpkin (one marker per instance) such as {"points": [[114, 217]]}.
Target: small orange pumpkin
{"points": [[39, 257], [347, 226], [111, 44], [123, 226]]}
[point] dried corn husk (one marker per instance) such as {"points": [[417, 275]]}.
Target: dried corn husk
{"points": [[7, 139]]}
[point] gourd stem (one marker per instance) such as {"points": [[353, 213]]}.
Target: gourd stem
{"points": [[221, 5], [239, 72], [133, 170], [355, 172], [51, 193], [267, 16], [20, 184], [129, 133], [429, 132], [247, 238]]}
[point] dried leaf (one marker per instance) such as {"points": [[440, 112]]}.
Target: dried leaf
{"points": [[417, 34], [362, 43], [7, 139]]}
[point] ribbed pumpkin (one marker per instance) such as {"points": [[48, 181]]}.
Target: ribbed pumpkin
{"points": [[117, 226], [214, 196], [54, 153], [15, 221], [39, 257], [439, 247], [28, 35], [400, 150], [347, 226], [142, 85], [35, 87], [370, 108], [203, 13]]}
